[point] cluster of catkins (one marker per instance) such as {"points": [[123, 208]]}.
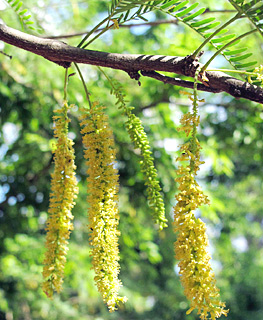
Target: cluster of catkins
{"points": [[103, 185], [102, 177]]}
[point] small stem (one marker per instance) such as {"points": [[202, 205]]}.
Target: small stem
{"points": [[84, 84], [237, 16], [117, 94], [235, 71], [107, 77], [193, 146], [65, 84], [80, 45], [225, 46], [195, 90], [5, 54], [95, 29], [98, 35], [92, 31]]}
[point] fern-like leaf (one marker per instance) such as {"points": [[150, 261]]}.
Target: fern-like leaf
{"points": [[128, 9], [253, 10], [218, 36], [23, 14]]}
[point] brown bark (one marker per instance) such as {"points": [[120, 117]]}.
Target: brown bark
{"points": [[63, 54]]}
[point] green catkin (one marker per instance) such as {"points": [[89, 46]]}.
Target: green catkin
{"points": [[63, 192], [139, 138], [102, 198], [195, 272]]}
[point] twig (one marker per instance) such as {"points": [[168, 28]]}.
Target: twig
{"points": [[177, 81], [130, 25], [5, 54]]}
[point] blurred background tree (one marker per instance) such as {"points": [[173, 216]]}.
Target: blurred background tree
{"points": [[231, 136]]}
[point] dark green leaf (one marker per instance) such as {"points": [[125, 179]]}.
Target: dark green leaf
{"points": [[234, 52], [245, 65], [202, 22], [170, 3], [223, 39], [187, 10], [194, 15], [242, 57], [208, 27]]}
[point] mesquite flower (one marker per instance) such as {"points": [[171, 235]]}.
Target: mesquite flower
{"points": [[103, 203], [63, 192], [196, 273]]}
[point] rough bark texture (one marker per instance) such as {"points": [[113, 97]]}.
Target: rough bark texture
{"points": [[63, 54]]}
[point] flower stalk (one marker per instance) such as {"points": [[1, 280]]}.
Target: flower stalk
{"points": [[195, 272], [63, 192], [102, 198]]}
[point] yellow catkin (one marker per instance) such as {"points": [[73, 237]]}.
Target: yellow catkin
{"points": [[103, 203], [63, 192], [195, 272]]}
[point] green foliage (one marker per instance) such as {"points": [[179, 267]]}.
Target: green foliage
{"points": [[218, 36], [253, 10], [23, 14], [132, 9], [186, 13]]}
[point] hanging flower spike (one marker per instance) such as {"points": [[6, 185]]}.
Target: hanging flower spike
{"points": [[63, 192], [196, 273], [103, 188], [138, 136]]}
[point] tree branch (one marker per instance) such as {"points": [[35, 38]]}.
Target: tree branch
{"points": [[63, 54], [177, 81]]}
